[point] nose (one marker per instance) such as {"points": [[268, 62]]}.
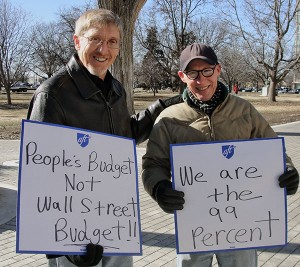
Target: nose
{"points": [[199, 78], [102, 47]]}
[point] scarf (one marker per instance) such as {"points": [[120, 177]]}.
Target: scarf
{"points": [[208, 106]]}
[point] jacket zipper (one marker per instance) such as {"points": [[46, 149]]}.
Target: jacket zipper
{"points": [[109, 110], [210, 125], [212, 133]]}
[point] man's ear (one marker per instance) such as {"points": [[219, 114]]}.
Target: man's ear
{"points": [[218, 69], [76, 42], [181, 75]]}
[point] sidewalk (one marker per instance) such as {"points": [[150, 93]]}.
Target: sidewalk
{"points": [[157, 226]]}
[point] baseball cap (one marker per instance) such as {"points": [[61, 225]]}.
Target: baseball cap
{"points": [[197, 50]]}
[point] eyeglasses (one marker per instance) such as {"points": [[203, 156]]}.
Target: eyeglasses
{"points": [[194, 74], [97, 41]]}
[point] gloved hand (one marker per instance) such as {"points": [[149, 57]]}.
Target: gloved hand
{"points": [[290, 180], [168, 198], [171, 101], [93, 256]]}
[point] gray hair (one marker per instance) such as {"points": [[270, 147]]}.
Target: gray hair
{"points": [[96, 17]]}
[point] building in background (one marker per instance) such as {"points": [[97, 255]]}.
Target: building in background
{"points": [[296, 72]]}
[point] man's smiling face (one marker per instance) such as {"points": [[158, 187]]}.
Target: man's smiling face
{"points": [[98, 58], [203, 88]]}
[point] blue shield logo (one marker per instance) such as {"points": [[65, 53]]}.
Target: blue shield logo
{"points": [[228, 151], [83, 139]]}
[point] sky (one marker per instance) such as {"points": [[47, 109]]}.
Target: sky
{"points": [[45, 10]]}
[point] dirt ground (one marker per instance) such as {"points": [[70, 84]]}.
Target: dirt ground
{"points": [[285, 109]]}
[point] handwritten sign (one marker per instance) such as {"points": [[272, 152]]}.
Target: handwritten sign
{"points": [[233, 200], [76, 187]]}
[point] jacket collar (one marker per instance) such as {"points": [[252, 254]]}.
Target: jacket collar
{"points": [[84, 84], [224, 93]]}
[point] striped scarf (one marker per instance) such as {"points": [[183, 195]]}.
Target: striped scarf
{"points": [[208, 106]]}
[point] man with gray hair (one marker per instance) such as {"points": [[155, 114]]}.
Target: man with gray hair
{"points": [[84, 94]]}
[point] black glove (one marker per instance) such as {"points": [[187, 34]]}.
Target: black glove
{"points": [[171, 101], [93, 256], [168, 198], [290, 180]]}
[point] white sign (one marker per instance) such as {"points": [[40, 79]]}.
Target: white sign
{"points": [[76, 187], [232, 195]]}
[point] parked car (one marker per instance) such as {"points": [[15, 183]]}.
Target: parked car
{"points": [[246, 89], [35, 86], [294, 91], [20, 87], [255, 89], [282, 91]]}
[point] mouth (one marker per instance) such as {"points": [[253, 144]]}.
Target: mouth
{"points": [[203, 88], [100, 59]]}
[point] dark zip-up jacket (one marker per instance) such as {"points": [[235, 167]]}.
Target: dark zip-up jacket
{"points": [[71, 98]]}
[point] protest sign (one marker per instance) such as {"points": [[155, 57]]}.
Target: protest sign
{"points": [[232, 196], [76, 187]]}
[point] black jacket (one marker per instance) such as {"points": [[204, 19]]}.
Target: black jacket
{"points": [[71, 98]]}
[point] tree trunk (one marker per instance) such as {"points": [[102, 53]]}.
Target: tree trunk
{"points": [[8, 96], [272, 93], [122, 69]]}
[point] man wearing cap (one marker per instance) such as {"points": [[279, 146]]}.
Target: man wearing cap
{"points": [[208, 113]]}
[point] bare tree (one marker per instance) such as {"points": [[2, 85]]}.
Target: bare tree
{"points": [[177, 27], [14, 45], [266, 26], [234, 66], [151, 73], [214, 32], [122, 69], [50, 49]]}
